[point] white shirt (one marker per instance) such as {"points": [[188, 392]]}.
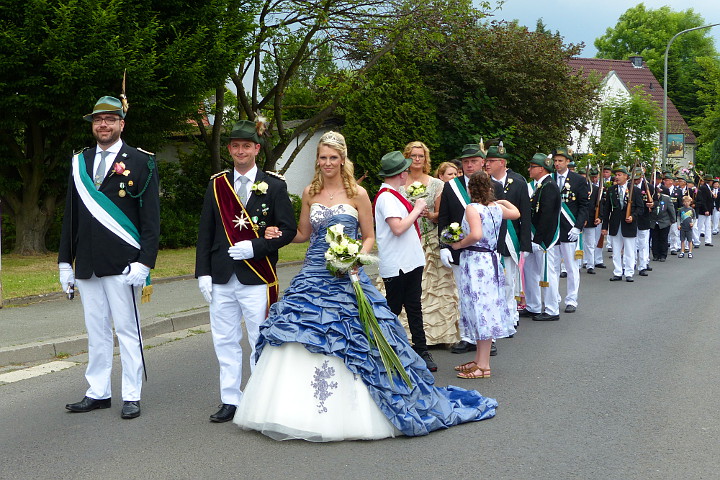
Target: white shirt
{"points": [[113, 150], [501, 180], [251, 174], [396, 253]]}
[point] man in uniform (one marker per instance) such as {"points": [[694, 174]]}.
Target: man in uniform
{"points": [[514, 236], [235, 264], [591, 232], [575, 197], [642, 241], [111, 230], [540, 266], [704, 206], [620, 227]]}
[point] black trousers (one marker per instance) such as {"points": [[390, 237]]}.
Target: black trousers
{"points": [[659, 240], [405, 290]]}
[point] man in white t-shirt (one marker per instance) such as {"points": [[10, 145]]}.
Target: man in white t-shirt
{"points": [[401, 255]]}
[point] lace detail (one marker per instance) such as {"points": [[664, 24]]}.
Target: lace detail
{"points": [[322, 386], [320, 214]]}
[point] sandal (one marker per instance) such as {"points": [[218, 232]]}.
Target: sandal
{"points": [[477, 372], [466, 367], [689, 255]]}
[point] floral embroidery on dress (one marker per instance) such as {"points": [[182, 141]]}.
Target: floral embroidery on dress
{"points": [[322, 386]]}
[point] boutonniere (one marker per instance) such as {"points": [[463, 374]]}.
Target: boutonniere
{"points": [[260, 188], [507, 184], [119, 168], [567, 185]]}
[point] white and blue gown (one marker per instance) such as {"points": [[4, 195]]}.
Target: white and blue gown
{"points": [[317, 378]]}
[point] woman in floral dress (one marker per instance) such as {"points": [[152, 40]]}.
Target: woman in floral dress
{"points": [[485, 312]]}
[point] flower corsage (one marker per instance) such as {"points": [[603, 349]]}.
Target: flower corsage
{"points": [[260, 188]]}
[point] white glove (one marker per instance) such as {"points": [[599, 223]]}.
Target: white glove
{"points": [[574, 234], [205, 285], [136, 274], [446, 257], [241, 250], [536, 248], [66, 275]]}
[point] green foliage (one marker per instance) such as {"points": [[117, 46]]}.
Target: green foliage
{"points": [[391, 109], [646, 32], [183, 186], [629, 128], [58, 58], [708, 125]]}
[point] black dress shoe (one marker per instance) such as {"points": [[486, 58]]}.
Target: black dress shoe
{"points": [[615, 278], [600, 265], [563, 274], [709, 245], [648, 269], [429, 362], [643, 273], [661, 259], [493, 349], [527, 313], [655, 259], [463, 347], [673, 252], [225, 414], [591, 271], [570, 308], [87, 404], [544, 317], [629, 279], [131, 409]]}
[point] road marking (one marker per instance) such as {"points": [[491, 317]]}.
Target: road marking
{"points": [[35, 371]]}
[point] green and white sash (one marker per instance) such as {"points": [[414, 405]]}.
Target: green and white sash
{"points": [[460, 192], [101, 207]]}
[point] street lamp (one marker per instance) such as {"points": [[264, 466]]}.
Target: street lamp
{"points": [[664, 144]]}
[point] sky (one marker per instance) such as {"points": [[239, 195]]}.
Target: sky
{"points": [[585, 20]]}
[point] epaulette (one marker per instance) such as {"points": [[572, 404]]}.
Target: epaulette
{"points": [[276, 175], [145, 151], [78, 152], [219, 174]]}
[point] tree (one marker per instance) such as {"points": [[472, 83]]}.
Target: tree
{"points": [[57, 58], [646, 32], [382, 115], [708, 125], [628, 129], [499, 80]]}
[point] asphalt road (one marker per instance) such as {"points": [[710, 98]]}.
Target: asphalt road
{"points": [[625, 388]]}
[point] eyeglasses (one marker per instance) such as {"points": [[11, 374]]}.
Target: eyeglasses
{"points": [[107, 120]]}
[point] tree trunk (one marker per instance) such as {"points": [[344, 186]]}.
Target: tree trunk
{"points": [[32, 222]]}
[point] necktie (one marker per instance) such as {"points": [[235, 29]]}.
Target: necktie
{"points": [[101, 170], [561, 181], [621, 192], [242, 188]]}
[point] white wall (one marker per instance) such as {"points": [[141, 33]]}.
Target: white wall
{"points": [[302, 169]]}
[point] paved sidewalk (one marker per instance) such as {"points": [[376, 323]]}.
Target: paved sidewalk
{"points": [[41, 331]]}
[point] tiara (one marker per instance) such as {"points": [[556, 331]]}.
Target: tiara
{"points": [[333, 137]]}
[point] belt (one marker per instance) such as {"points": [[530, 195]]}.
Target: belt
{"points": [[494, 258]]}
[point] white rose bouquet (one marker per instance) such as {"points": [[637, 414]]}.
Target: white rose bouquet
{"points": [[341, 257], [416, 190], [452, 233]]}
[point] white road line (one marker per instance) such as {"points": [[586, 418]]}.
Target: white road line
{"points": [[35, 371]]}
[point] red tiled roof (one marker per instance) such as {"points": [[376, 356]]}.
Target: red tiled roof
{"points": [[631, 77]]}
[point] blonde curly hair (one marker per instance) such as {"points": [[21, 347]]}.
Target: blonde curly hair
{"points": [[335, 141], [408, 150]]}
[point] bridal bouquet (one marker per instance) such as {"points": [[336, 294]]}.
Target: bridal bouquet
{"points": [[342, 256], [416, 190], [452, 233]]}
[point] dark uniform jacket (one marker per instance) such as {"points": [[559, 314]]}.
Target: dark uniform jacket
{"points": [[643, 219], [271, 209], [93, 247], [452, 210], [594, 207], [575, 194], [515, 191], [704, 201], [662, 214], [545, 211], [614, 214]]}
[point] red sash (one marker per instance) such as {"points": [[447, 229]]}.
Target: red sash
{"points": [[238, 227], [402, 199]]}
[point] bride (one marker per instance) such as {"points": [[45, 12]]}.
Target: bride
{"points": [[317, 377]]}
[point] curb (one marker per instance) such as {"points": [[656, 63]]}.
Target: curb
{"points": [[40, 351]]}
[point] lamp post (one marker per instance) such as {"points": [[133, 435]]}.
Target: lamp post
{"points": [[664, 142]]}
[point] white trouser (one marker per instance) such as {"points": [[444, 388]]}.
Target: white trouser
{"points": [[106, 300], [715, 220], [623, 254], [534, 269], [705, 227], [565, 251], [591, 254], [231, 303], [695, 234], [512, 286], [642, 244], [674, 237]]}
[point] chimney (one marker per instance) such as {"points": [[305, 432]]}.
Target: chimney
{"points": [[637, 61]]}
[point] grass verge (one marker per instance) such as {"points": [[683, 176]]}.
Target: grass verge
{"points": [[22, 276]]}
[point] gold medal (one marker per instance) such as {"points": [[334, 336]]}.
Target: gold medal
{"points": [[130, 183], [121, 193]]}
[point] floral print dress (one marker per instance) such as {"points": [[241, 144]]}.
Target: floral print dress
{"points": [[484, 313]]}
